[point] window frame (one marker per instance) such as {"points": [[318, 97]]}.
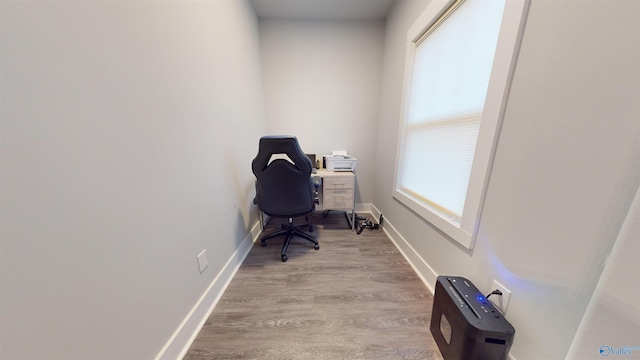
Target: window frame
{"points": [[508, 44]]}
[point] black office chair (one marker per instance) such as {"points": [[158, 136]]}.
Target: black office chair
{"points": [[284, 187]]}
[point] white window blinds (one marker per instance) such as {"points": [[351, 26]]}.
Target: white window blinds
{"points": [[451, 70]]}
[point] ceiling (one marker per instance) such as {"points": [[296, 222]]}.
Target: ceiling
{"points": [[322, 9]]}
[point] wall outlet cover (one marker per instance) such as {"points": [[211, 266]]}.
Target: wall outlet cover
{"points": [[203, 262], [500, 301]]}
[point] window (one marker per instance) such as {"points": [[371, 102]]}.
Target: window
{"points": [[460, 56]]}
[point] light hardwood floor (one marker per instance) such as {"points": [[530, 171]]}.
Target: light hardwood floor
{"points": [[355, 298]]}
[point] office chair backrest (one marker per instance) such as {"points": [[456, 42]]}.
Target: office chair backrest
{"points": [[284, 188]]}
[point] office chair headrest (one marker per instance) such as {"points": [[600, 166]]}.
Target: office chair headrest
{"points": [[281, 144]]}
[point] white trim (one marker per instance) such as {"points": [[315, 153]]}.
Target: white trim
{"points": [[507, 48], [425, 272], [178, 344], [364, 207], [419, 265], [436, 218], [504, 64]]}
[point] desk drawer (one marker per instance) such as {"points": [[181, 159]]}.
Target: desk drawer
{"points": [[338, 183], [338, 200]]}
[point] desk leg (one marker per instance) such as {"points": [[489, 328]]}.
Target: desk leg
{"points": [[263, 219], [351, 219]]}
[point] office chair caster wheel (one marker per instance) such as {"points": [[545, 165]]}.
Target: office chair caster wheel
{"points": [[285, 258], [263, 243], [316, 246]]}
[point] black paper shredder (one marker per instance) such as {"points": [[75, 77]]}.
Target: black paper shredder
{"points": [[465, 325]]}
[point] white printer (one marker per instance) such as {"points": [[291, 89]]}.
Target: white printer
{"points": [[340, 161]]}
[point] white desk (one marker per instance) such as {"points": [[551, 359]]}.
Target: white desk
{"points": [[338, 192]]}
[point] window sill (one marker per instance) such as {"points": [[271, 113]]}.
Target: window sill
{"points": [[440, 221]]}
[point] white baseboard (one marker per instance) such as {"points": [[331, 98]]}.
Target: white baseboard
{"points": [[364, 208], [179, 343], [187, 331], [422, 269]]}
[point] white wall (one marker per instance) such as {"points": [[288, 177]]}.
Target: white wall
{"points": [[119, 166], [566, 168], [322, 84], [612, 320]]}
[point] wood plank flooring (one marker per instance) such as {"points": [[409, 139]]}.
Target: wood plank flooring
{"points": [[355, 298]]}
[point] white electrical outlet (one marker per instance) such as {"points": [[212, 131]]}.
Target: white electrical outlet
{"points": [[202, 260], [500, 301]]}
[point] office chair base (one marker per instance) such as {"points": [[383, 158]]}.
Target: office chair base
{"points": [[290, 231]]}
